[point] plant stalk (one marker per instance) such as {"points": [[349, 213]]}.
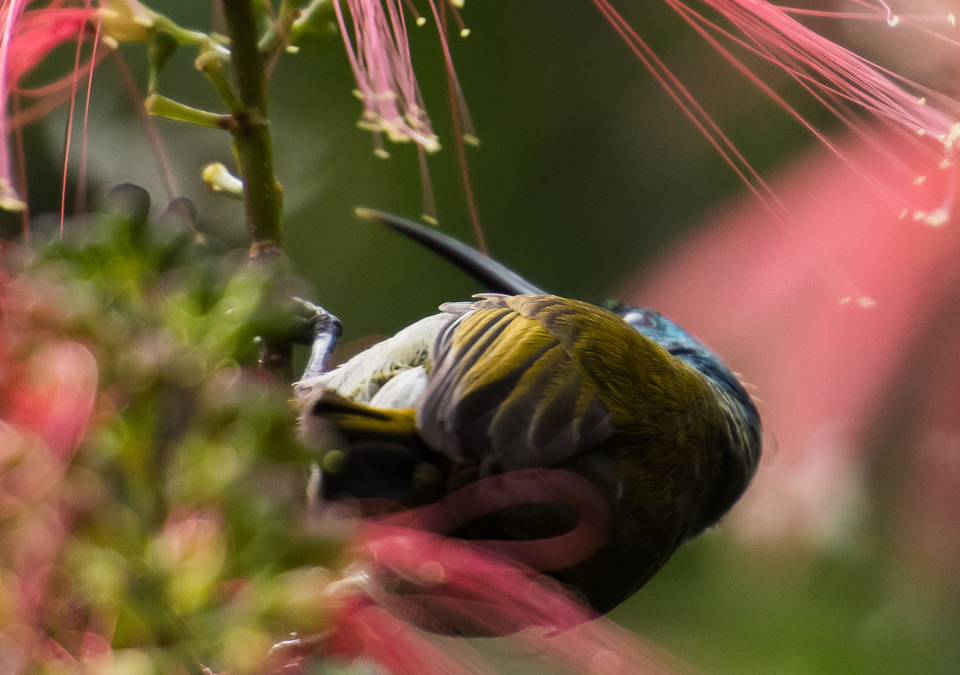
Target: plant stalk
{"points": [[251, 135], [262, 196]]}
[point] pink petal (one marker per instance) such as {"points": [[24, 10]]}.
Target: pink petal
{"points": [[784, 306]]}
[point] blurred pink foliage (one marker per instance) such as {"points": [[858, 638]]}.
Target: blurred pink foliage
{"points": [[406, 577], [843, 318], [47, 392]]}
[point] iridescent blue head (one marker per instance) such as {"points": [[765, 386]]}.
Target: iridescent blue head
{"points": [[685, 347]]}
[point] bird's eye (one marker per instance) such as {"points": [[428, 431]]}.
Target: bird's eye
{"points": [[639, 319]]}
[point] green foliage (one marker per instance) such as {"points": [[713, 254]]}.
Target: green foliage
{"points": [[186, 540]]}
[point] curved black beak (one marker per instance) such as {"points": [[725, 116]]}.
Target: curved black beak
{"points": [[494, 276]]}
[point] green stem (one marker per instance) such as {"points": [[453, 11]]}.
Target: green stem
{"points": [[184, 36], [253, 148], [161, 106], [251, 134], [209, 64]]}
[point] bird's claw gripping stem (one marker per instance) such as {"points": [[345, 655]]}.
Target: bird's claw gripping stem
{"points": [[322, 330]]}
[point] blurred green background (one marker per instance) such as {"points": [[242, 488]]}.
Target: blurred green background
{"points": [[586, 173]]}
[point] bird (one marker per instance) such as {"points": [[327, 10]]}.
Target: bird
{"points": [[516, 382]]}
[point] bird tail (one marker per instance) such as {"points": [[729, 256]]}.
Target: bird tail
{"points": [[494, 276], [375, 453]]}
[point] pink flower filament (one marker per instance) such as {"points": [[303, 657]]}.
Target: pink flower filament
{"points": [[26, 37], [379, 53]]}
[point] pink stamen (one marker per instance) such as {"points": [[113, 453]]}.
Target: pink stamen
{"points": [[380, 59], [73, 103], [38, 32], [468, 130], [379, 54], [429, 199], [911, 271], [449, 586], [462, 124], [693, 110], [10, 13], [21, 155], [418, 18], [81, 196], [26, 37], [461, 26], [700, 24]]}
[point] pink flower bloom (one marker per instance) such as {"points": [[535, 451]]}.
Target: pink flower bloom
{"points": [[826, 318], [379, 55], [407, 575], [409, 578]]}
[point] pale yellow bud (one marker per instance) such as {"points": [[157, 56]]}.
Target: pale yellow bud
{"points": [[126, 21]]}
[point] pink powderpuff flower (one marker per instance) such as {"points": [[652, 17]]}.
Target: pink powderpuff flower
{"points": [[379, 54], [825, 316], [380, 59], [871, 101], [407, 576], [489, 587], [407, 579]]}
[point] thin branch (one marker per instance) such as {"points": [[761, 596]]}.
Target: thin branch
{"points": [[251, 134]]}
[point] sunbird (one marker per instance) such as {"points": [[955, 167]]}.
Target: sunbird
{"points": [[661, 434]]}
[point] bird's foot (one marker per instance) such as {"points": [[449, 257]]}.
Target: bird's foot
{"points": [[321, 330], [312, 321]]}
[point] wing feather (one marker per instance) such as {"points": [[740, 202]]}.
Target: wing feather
{"points": [[505, 391]]}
